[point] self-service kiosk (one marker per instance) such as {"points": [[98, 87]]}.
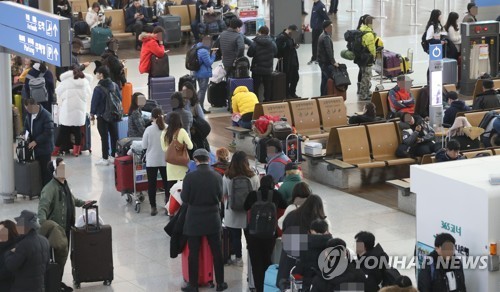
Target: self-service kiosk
{"points": [[480, 52]]}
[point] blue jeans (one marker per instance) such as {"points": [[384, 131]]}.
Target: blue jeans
{"points": [[203, 85], [243, 124]]}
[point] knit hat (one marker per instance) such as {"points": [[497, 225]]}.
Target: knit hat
{"points": [[28, 219], [291, 166], [453, 95]]}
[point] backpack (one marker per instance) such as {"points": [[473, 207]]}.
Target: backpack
{"points": [[487, 119], [192, 61], [241, 67], [114, 108], [262, 219], [240, 188], [354, 40], [425, 43], [38, 91], [390, 276]]}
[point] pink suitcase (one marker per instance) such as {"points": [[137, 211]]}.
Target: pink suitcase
{"points": [[205, 262]]}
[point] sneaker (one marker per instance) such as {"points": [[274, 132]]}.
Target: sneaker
{"points": [[111, 160], [237, 262], [154, 211], [102, 162], [221, 287]]}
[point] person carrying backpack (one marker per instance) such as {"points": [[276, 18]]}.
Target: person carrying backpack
{"points": [[202, 60], [262, 229], [40, 85], [104, 107], [239, 180], [368, 42]]}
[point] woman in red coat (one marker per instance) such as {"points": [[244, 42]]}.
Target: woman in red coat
{"points": [[152, 44]]}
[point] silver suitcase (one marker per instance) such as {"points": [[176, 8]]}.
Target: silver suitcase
{"points": [[450, 71]]}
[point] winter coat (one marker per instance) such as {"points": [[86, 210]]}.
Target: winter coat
{"points": [[235, 219], [456, 106], [176, 172], [318, 15], [202, 6], [434, 279], [61, 11], [286, 189], [325, 50], [308, 264], [49, 85], [401, 100], [373, 275], [130, 13], [136, 124], [150, 47], [186, 118], [53, 204], [206, 60], [441, 156], [42, 132], [115, 66], [469, 18], [293, 206], [73, 95], [232, 46], [92, 18], [243, 100], [98, 103], [288, 52], [6, 276], [155, 157], [276, 166], [263, 50], [489, 99], [351, 276], [29, 262], [202, 192], [57, 240], [368, 39]]}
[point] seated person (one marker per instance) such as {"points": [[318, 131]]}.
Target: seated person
{"points": [[488, 99], [95, 17], [276, 160], [293, 177], [400, 98], [456, 106], [200, 5], [491, 133], [136, 123], [243, 104], [450, 153], [369, 115], [136, 19], [466, 135], [417, 136], [222, 163]]}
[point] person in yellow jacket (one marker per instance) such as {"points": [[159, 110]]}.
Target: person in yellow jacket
{"points": [[368, 41], [243, 103]]}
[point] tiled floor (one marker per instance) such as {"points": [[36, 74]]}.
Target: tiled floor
{"points": [[140, 246]]}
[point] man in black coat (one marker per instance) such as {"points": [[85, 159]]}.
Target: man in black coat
{"points": [[325, 55], [28, 260], [456, 106], [202, 192], [368, 254], [441, 269], [488, 99], [137, 19], [318, 16], [38, 123], [263, 50], [289, 61]]}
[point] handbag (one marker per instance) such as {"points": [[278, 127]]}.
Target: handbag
{"points": [[159, 66], [340, 76], [177, 152]]}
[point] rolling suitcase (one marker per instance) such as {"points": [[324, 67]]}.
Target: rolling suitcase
{"points": [[332, 90], [391, 65], [28, 179], [123, 128], [279, 86], [270, 279], [205, 264], [186, 78], [91, 252], [226, 245], [162, 89], [217, 94], [124, 174], [53, 275], [86, 135], [17, 100], [172, 26], [98, 38], [233, 83], [127, 91], [450, 71], [123, 145]]}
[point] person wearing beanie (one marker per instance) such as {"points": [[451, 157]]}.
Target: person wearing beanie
{"points": [[293, 176], [488, 99], [28, 260], [456, 106], [326, 57]]}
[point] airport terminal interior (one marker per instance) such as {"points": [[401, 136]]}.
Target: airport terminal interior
{"points": [[141, 254]]}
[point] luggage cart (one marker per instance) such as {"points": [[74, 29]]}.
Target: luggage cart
{"points": [[140, 181]]}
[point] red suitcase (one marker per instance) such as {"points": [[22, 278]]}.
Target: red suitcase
{"points": [[205, 262], [332, 90], [124, 176]]}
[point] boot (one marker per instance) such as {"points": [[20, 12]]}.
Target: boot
{"points": [[359, 86], [76, 150], [56, 151]]}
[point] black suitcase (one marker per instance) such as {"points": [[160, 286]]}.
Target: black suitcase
{"points": [[150, 105], [261, 149], [28, 178], [91, 253], [123, 145], [217, 94], [279, 86], [186, 78], [53, 275], [162, 89], [172, 26]]}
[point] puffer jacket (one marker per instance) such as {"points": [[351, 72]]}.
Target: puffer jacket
{"points": [[434, 279], [150, 46], [244, 101], [286, 189], [232, 46], [73, 94], [368, 39], [487, 100], [42, 132], [29, 262], [206, 60], [6, 277], [263, 50], [52, 205]]}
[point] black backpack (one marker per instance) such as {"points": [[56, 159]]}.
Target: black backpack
{"points": [[487, 119], [354, 39], [192, 61], [114, 109], [425, 43], [241, 67], [262, 221], [390, 277]]}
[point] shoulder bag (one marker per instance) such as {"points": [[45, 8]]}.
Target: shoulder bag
{"points": [[176, 153]]}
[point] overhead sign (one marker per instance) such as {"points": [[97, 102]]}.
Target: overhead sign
{"points": [[436, 52], [40, 35]]}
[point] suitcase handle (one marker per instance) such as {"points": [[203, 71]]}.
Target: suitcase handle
{"points": [[86, 207]]}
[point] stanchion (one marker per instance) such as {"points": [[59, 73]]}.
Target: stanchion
{"points": [[414, 13], [381, 16], [352, 7]]}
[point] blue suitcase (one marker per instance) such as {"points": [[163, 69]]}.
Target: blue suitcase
{"points": [[162, 89], [122, 131], [270, 279]]}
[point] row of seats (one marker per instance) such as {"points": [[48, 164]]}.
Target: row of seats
{"points": [[83, 5], [475, 117], [431, 158]]}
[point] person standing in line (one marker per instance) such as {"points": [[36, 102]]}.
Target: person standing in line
{"points": [[155, 157], [116, 66], [206, 58], [368, 41], [202, 192], [471, 14], [8, 240], [326, 56], [152, 45], [40, 69], [452, 29], [136, 123], [318, 17], [178, 106], [289, 61]]}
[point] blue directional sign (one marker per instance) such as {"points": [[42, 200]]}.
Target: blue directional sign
{"points": [[36, 34], [436, 52]]}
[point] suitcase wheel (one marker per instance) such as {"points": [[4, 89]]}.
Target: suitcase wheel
{"points": [[137, 207], [141, 197], [128, 198]]}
